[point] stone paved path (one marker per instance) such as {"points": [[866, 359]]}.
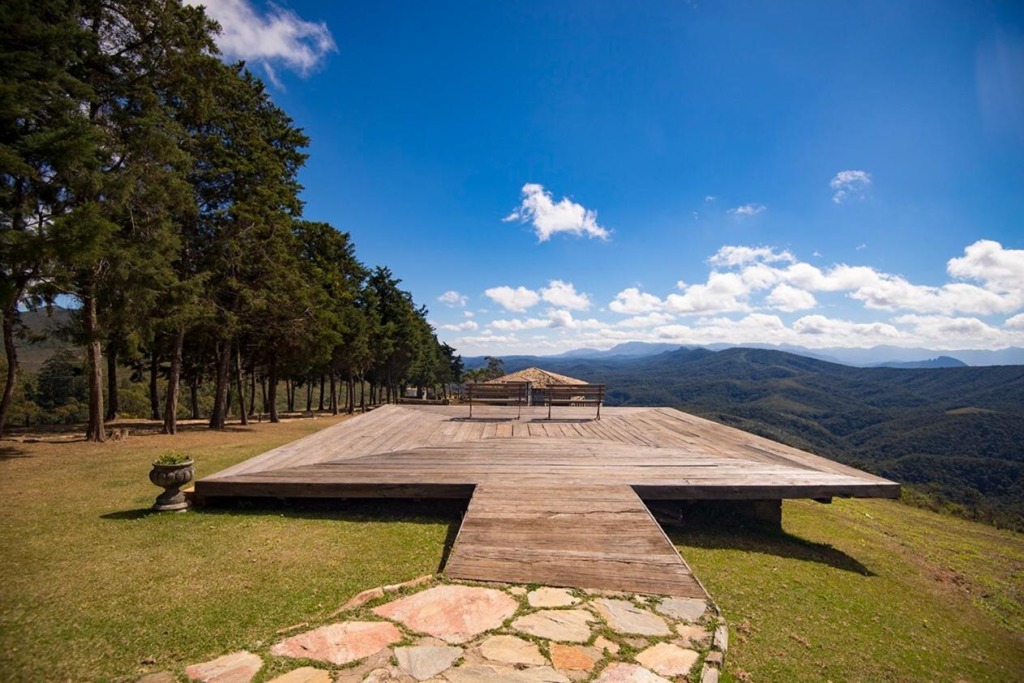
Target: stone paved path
{"points": [[459, 632]]}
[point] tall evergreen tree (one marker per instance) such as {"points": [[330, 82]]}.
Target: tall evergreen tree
{"points": [[48, 149]]}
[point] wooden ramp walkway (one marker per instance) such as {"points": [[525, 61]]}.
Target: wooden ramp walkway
{"points": [[578, 536]]}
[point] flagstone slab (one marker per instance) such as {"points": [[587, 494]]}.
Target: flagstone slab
{"points": [[608, 646], [668, 660], [512, 650], [565, 625], [340, 643], [551, 597], [306, 674], [573, 657], [489, 673], [237, 667], [684, 609], [452, 613], [709, 675], [424, 661], [625, 617], [629, 673], [694, 634]]}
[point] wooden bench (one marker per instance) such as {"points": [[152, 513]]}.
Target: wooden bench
{"points": [[505, 393], [576, 395]]}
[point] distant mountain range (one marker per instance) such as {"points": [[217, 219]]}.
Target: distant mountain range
{"points": [[876, 356]]}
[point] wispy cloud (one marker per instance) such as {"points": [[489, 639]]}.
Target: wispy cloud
{"points": [[275, 38], [739, 255], [461, 327], [549, 218], [747, 210], [453, 299], [850, 185]]}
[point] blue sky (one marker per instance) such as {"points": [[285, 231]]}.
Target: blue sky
{"points": [[546, 176]]}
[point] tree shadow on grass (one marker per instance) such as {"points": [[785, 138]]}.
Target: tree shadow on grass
{"points": [[425, 511], [8, 452], [706, 531]]}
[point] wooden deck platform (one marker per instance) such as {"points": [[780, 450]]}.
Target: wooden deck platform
{"points": [[554, 501], [435, 451]]}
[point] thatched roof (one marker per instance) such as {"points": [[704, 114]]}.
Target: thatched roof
{"points": [[539, 378]]}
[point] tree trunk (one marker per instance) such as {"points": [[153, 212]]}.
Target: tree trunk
{"points": [[174, 383], [241, 388], [321, 393], [289, 388], [95, 429], [112, 403], [154, 393], [11, 351], [362, 395], [272, 392], [263, 390], [193, 398], [220, 392], [252, 393], [334, 393], [309, 396], [350, 389]]}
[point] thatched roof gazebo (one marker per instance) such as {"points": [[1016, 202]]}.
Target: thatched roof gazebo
{"points": [[538, 381]]}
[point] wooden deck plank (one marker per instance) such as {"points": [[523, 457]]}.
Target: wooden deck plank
{"points": [[589, 537]]}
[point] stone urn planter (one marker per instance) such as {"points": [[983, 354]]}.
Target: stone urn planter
{"points": [[172, 476]]}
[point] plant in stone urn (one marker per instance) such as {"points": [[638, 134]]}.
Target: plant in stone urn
{"points": [[172, 471]]}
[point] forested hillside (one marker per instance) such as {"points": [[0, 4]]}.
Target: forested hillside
{"points": [[955, 434]]}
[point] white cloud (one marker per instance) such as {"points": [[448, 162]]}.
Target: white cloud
{"points": [[564, 295], [862, 246], [468, 314], [747, 210], [1015, 323], [849, 184], [739, 255], [461, 327], [453, 299], [632, 301], [948, 327], [724, 292], [845, 332], [278, 37], [643, 321], [986, 261], [517, 300], [709, 199], [789, 299], [563, 319], [549, 218], [515, 325]]}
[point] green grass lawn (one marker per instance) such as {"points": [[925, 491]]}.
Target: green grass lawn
{"points": [[96, 588], [865, 591], [93, 585]]}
